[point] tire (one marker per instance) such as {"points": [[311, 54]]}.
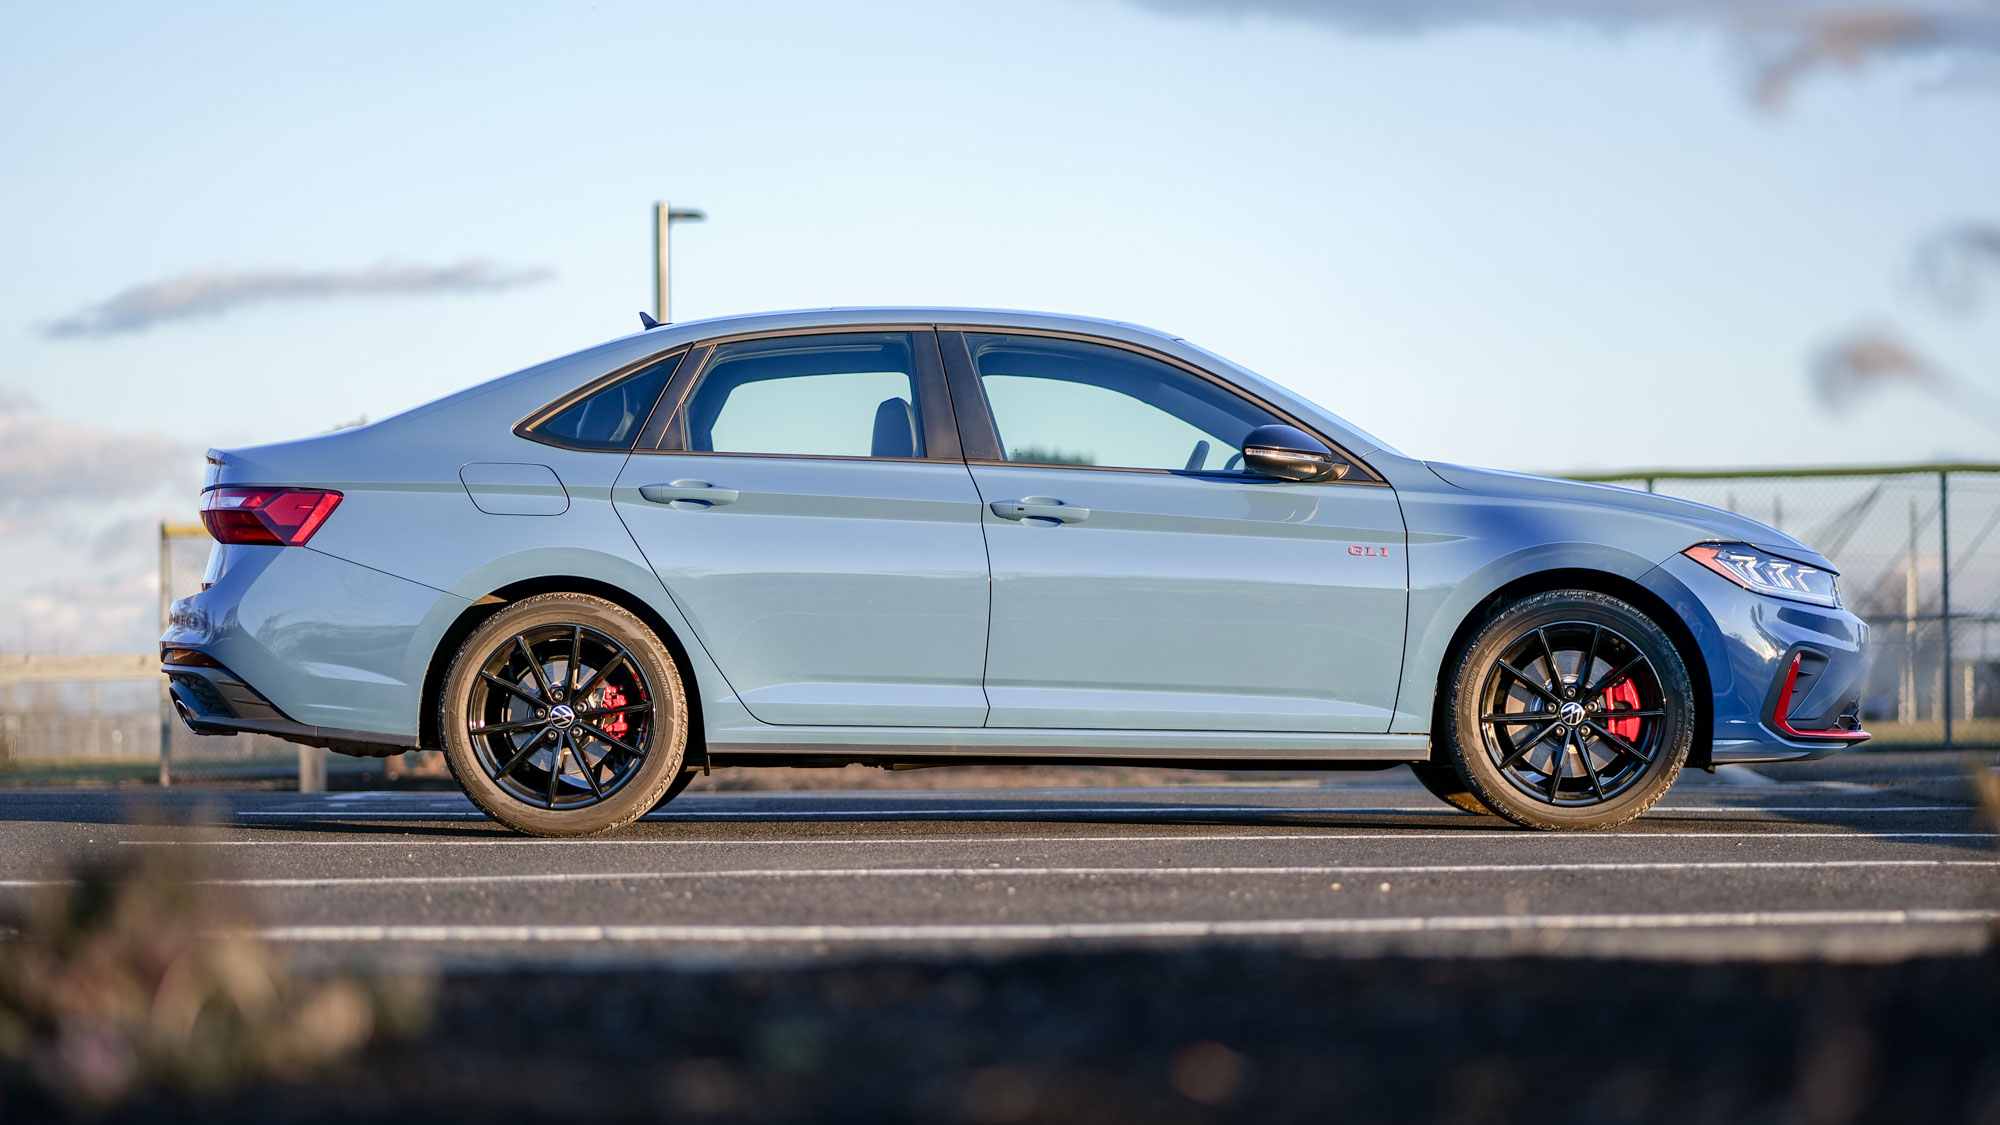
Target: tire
{"points": [[679, 786], [590, 743], [1442, 779], [1565, 662]]}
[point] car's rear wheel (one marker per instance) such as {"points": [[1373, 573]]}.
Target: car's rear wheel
{"points": [[1442, 779], [563, 715], [1571, 709]]}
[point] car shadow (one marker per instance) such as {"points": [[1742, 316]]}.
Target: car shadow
{"points": [[390, 830], [1939, 825], [1933, 823]]}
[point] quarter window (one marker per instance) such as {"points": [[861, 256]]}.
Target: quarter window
{"points": [[847, 395], [609, 418], [1066, 402]]}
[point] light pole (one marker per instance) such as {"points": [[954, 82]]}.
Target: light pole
{"points": [[665, 215]]}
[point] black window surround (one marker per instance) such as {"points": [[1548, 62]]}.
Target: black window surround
{"points": [[957, 423], [531, 427], [940, 432]]}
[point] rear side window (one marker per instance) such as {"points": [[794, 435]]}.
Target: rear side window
{"points": [[611, 417], [847, 395]]}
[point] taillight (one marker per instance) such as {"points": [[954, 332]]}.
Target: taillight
{"points": [[272, 517]]}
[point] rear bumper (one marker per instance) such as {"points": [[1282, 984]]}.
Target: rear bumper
{"points": [[306, 646], [214, 701], [1750, 646]]}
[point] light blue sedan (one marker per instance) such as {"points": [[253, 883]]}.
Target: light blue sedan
{"points": [[921, 536]]}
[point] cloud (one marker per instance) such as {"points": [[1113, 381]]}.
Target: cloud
{"points": [[1955, 267], [49, 466], [66, 506], [1872, 360], [1390, 16], [1798, 38], [106, 613], [126, 537], [1971, 77], [1787, 38], [215, 292], [1857, 364]]}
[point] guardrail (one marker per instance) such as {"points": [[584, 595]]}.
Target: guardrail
{"points": [[65, 668]]}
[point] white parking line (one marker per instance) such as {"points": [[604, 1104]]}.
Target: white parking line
{"points": [[1320, 871], [407, 841], [1074, 931]]}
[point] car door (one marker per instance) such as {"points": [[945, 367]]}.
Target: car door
{"points": [[1141, 578], [807, 508]]}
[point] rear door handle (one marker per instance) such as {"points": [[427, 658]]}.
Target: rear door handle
{"points": [[691, 495], [1040, 508]]}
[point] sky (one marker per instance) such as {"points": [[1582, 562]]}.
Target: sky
{"points": [[1554, 236]]}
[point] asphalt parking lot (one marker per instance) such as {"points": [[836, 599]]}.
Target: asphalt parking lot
{"points": [[1808, 944], [1752, 865]]}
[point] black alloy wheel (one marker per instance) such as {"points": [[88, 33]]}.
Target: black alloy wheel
{"points": [[564, 715], [560, 716], [1571, 713], [1571, 710]]}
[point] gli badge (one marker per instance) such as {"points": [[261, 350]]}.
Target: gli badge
{"points": [[1373, 552]]}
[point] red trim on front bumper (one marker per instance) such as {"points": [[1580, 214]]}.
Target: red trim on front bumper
{"points": [[1783, 723]]}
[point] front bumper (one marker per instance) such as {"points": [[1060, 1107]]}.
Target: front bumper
{"points": [[1753, 647]]}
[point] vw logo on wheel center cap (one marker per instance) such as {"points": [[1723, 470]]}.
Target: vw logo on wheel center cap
{"points": [[1571, 713], [562, 715]]}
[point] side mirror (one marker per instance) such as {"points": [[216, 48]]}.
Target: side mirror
{"points": [[1289, 453]]}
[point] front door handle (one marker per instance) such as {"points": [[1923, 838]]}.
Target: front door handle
{"points": [[692, 495], [1040, 508]]}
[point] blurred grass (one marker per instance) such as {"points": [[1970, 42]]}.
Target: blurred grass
{"points": [[137, 972], [1194, 1036]]}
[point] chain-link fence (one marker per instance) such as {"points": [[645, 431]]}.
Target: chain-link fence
{"points": [[184, 755], [94, 721], [1935, 680]]}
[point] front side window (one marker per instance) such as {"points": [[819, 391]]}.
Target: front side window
{"points": [[1066, 402], [609, 418], [846, 395]]}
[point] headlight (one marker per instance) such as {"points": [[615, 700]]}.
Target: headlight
{"points": [[1766, 573]]}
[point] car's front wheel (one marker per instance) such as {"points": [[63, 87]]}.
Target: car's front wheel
{"points": [[563, 715], [1570, 709]]}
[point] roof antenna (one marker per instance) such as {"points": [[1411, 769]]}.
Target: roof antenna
{"points": [[647, 323]]}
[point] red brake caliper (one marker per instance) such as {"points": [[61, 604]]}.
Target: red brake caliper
{"points": [[617, 726], [1622, 695]]}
